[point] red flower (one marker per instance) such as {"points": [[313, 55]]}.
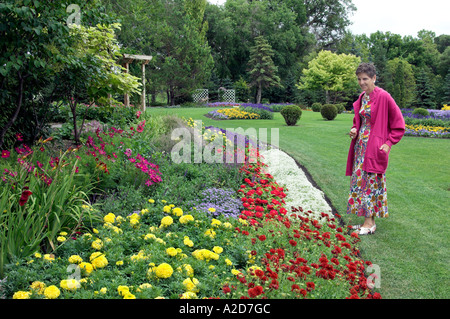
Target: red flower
{"points": [[293, 242], [262, 237], [24, 197], [5, 154], [256, 291]]}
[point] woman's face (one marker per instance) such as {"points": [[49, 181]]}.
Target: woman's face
{"points": [[366, 83]]}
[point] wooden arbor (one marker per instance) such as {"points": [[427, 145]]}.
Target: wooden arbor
{"points": [[125, 61]]}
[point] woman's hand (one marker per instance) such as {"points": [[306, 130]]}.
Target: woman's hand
{"points": [[385, 148], [353, 133]]}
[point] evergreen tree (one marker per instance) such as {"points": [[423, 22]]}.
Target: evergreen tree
{"points": [[425, 91], [263, 71]]}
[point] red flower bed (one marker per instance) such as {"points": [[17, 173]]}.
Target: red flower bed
{"points": [[294, 255]]}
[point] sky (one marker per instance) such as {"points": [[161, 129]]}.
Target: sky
{"points": [[404, 17]]}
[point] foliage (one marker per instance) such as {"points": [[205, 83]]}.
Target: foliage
{"points": [[291, 114], [41, 196], [35, 37], [329, 111], [316, 107], [421, 111], [331, 72], [262, 70], [401, 82]]}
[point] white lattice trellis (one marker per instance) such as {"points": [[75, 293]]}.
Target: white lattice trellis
{"points": [[200, 95], [228, 96]]}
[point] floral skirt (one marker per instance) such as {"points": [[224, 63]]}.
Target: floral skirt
{"points": [[368, 195]]}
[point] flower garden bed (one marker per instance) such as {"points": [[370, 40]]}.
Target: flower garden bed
{"points": [[165, 250]]}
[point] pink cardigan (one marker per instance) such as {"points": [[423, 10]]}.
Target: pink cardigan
{"points": [[387, 127]]}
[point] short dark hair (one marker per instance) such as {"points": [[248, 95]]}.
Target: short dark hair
{"points": [[367, 68]]}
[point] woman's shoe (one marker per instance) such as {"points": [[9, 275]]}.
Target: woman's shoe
{"points": [[356, 227], [367, 231]]}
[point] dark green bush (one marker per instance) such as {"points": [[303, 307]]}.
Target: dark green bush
{"points": [[291, 114], [340, 107], [329, 111], [316, 107], [421, 111]]}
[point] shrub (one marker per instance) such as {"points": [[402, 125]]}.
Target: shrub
{"points": [[316, 107], [421, 111], [340, 107], [291, 114], [329, 112]]}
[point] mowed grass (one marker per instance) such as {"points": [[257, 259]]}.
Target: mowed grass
{"points": [[411, 247]]}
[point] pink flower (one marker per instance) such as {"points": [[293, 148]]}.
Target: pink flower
{"points": [[5, 154]]}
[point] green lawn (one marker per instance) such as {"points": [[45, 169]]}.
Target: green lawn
{"points": [[411, 246]]}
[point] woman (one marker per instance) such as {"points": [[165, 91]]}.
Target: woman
{"points": [[377, 125]]}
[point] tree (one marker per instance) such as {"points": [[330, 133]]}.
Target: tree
{"points": [[34, 37], [90, 71], [425, 91], [331, 72], [262, 70], [400, 82]]}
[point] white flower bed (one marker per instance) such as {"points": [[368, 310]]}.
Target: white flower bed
{"points": [[300, 192]]}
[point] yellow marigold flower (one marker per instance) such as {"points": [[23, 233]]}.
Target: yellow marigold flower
{"points": [[63, 233], [49, 257], [227, 225], [188, 242], [171, 251], [119, 219], [119, 263], [38, 286], [191, 284], [228, 262], [134, 222], [151, 201], [166, 221], [123, 290], [167, 209], [75, 259], [69, 284], [97, 244], [52, 292], [22, 295], [177, 211], [37, 255], [87, 267], [95, 230], [163, 271], [144, 211], [129, 296], [98, 260], [211, 209], [211, 233], [61, 239], [235, 272], [216, 222], [186, 218], [188, 269], [103, 290], [109, 218], [145, 286], [188, 295], [149, 236], [217, 249]]}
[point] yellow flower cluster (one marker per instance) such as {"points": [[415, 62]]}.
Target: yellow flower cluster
{"points": [[205, 254], [98, 260], [434, 129], [446, 107], [163, 271], [236, 113]]}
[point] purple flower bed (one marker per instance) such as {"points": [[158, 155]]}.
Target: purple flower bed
{"points": [[222, 200], [434, 114]]}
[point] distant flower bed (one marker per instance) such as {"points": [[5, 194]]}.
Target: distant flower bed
{"points": [[427, 131], [434, 123], [233, 114]]}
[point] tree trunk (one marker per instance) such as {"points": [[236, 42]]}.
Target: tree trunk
{"points": [[327, 97], [258, 96], [16, 113]]}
